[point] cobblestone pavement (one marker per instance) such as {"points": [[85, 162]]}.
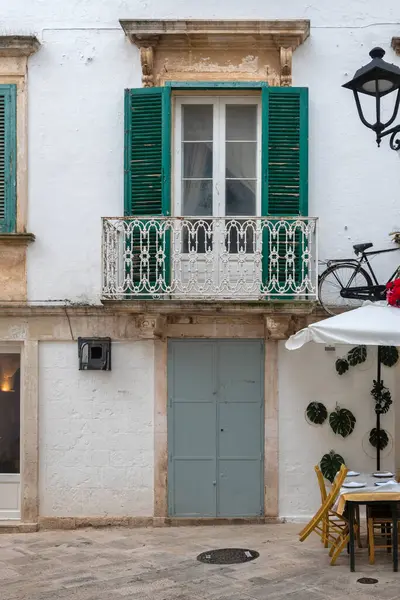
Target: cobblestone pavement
{"points": [[160, 564]]}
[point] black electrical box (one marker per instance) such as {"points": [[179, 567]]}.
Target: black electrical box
{"points": [[94, 354]]}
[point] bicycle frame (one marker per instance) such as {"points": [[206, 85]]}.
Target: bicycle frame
{"points": [[375, 292]]}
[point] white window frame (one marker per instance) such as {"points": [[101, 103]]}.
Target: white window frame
{"points": [[219, 103]]}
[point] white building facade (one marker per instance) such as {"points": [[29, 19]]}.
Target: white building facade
{"points": [[170, 182]]}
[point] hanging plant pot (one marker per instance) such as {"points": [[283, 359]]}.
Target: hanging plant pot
{"points": [[330, 465], [371, 450], [382, 439], [357, 355], [382, 397], [389, 355], [341, 366], [316, 413], [342, 421]]}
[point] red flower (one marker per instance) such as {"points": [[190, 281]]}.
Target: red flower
{"points": [[393, 292]]}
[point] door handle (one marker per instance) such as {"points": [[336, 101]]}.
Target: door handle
{"points": [[214, 483]]}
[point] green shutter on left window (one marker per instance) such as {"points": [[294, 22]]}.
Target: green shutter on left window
{"points": [[8, 191], [148, 178], [147, 151]]}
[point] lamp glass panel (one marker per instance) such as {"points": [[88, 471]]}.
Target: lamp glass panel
{"points": [[380, 85]]}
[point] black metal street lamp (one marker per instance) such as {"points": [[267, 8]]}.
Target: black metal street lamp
{"points": [[377, 79]]}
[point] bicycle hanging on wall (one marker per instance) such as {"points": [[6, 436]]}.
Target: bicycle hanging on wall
{"points": [[347, 282]]}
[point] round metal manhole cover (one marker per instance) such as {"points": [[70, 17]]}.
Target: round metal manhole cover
{"points": [[227, 556], [368, 580]]}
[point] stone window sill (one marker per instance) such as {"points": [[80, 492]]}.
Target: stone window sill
{"points": [[16, 239]]}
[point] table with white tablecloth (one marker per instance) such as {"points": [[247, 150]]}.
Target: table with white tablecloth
{"points": [[349, 498]]}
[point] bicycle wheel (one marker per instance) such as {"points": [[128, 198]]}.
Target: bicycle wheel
{"points": [[334, 279]]}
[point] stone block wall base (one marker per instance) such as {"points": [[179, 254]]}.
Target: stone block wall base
{"points": [[48, 523], [191, 522], [16, 527]]}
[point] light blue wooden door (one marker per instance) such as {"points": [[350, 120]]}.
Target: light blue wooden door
{"points": [[240, 428], [192, 440], [215, 428]]}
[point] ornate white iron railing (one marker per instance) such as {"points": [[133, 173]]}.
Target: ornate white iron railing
{"points": [[232, 258]]}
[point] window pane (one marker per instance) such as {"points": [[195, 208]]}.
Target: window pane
{"points": [[197, 122], [241, 159], [241, 122], [197, 159], [240, 197], [9, 412], [197, 198]]}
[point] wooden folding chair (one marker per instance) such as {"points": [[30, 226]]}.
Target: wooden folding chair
{"points": [[331, 518], [380, 529], [338, 533], [379, 535], [324, 494]]}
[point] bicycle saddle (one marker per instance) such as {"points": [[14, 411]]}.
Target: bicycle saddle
{"points": [[361, 247]]}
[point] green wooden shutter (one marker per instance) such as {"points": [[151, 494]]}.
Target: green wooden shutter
{"points": [[148, 176], [285, 151], [147, 151], [8, 94], [284, 163]]}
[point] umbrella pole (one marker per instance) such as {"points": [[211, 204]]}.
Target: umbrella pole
{"points": [[378, 416]]}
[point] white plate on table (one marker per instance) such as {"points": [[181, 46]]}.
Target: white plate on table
{"points": [[354, 485], [353, 473], [383, 474], [381, 483]]}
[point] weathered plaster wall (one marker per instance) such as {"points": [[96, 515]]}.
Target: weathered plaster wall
{"points": [[76, 84], [96, 432], [105, 13], [245, 64], [309, 374], [76, 89], [12, 273]]}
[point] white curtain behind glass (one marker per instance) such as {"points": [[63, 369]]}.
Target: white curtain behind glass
{"points": [[241, 162], [197, 142]]}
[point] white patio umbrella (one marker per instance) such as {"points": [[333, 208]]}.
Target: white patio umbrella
{"points": [[373, 324]]}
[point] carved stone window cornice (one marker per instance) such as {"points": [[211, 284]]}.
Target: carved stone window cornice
{"points": [[18, 45], [173, 46], [396, 45]]}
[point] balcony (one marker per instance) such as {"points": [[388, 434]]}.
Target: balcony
{"points": [[210, 258]]}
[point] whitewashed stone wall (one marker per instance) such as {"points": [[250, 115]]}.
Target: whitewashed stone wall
{"points": [[76, 84], [309, 374], [96, 432], [96, 429]]}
